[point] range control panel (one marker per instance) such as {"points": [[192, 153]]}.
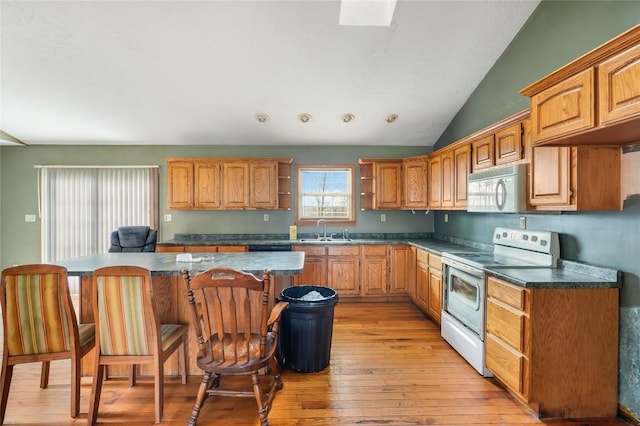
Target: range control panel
{"points": [[539, 241]]}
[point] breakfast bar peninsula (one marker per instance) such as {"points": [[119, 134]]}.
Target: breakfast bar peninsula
{"points": [[168, 289]]}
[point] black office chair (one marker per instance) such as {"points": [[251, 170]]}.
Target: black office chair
{"points": [[133, 239]]}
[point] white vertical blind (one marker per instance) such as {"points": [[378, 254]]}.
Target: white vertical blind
{"points": [[81, 206]]}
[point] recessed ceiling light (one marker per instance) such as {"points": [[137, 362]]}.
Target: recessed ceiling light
{"points": [[391, 118], [262, 118], [347, 117], [376, 13], [304, 117]]}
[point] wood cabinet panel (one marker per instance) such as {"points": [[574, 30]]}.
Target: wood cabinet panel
{"points": [[400, 269], [343, 274], [435, 182], [388, 185], [462, 168], [447, 178], [549, 183], [315, 266], [483, 153], [509, 294], [206, 193], [415, 183], [509, 144], [264, 185], [507, 324], [180, 184], [564, 108], [169, 249], [435, 294], [374, 271], [235, 183], [422, 281], [619, 87], [505, 363]]}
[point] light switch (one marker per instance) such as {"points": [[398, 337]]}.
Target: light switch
{"points": [[29, 217], [167, 218]]}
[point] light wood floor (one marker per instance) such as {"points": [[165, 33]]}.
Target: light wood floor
{"points": [[389, 366]]}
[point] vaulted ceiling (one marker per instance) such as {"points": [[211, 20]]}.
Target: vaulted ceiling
{"points": [[200, 72]]}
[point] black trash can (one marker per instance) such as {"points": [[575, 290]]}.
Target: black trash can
{"points": [[306, 327]]}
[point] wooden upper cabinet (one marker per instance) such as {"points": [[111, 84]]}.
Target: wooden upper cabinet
{"points": [[447, 176], [435, 182], [619, 87], [235, 184], [564, 108], [264, 184], [180, 184], [509, 144], [462, 168], [388, 185], [594, 100], [483, 151], [206, 194], [575, 178], [415, 183], [219, 183]]}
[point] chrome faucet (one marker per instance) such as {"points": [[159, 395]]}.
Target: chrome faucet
{"points": [[324, 221]]}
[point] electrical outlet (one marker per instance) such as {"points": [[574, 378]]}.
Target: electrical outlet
{"points": [[29, 217], [446, 217], [383, 217], [167, 218], [523, 222], [265, 217]]}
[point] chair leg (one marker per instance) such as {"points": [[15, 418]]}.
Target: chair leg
{"points": [[257, 391], [76, 365], [44, 374], [132, 375], [275, 371], [182, 360], [7, 373], [96, 389], [202, 394], [159, 391]]}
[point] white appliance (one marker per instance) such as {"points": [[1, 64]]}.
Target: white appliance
{"points": [[464, 285], [499, 190]]}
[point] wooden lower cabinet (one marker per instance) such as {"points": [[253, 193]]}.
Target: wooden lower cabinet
{"points": [[428, 295], [315, 266], [400, 268], [374, 273], [343, 269], [555, 349], [200, 249]]}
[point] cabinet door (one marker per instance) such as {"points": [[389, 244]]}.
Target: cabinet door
{"points": [[619, 87], [400, 257], [314, 272], [447, 168], [462, 167], [415, 184], [435, 294], [550, 176], [422, 280], [207, 185], [483, 153], [180, 184], [232, 249], [264, 185], [509, 144], [374, 271], [565, 108], [343, 274], [235, 180], [388, 185], [435, 182]]}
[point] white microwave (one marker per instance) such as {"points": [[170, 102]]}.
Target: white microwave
{"points": [[498, 190]]}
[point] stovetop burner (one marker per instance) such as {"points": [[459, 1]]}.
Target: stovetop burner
{"points": [[513, 248]]}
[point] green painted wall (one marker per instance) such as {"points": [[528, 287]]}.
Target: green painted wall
{"points": [[20, 241], [557, 33]]}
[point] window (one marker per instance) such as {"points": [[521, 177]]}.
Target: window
{"points": [[325, 192], [80, 206]]}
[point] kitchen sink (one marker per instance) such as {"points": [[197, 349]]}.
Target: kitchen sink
{"points": [[325, 240]]}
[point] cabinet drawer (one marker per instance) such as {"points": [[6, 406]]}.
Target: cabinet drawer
{"points": [[505, 363], [510, 294], [435, 261], [169, 249], [507, 324], [311, 250], [374, 250], [201, 249], [422, 256], [343, 250]]}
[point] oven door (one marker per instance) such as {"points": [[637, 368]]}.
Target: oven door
{"points": [[464, 297]]}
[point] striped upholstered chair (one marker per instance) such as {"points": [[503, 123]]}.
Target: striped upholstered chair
{"points": [[40, 325], [128, 331]]}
